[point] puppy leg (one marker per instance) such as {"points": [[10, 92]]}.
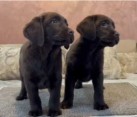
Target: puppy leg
{"points": [[54, 101], [35, 102], [55, 87], [69, 91], [23, 93], [99, 103], [78, 85]]}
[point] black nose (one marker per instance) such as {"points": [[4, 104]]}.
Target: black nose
{"points": [[116, 34], [70, 32]]}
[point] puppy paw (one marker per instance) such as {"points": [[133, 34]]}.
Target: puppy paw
{"points": [[100, 106], [78, 85], [66, 105], [21, 97], [35, 113], [54, 113]]}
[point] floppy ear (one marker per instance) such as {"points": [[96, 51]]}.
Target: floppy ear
{"points": [[34, 31], [87, 28]]}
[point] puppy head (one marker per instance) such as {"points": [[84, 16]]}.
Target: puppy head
{"points": [[49, 28], [100, 28], [105, 31]]}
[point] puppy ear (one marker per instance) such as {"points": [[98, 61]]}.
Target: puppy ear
{"points": [[87, 28], [34, 31]]}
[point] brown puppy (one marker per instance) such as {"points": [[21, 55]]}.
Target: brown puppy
{"points": [[85, 58], [40, 60]]}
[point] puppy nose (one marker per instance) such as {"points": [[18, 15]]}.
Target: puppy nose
{"points": [[70, 32], [116, 34]]}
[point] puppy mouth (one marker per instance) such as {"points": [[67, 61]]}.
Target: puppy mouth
{"points": [[63, 40], [110, 42], [117, 40]]}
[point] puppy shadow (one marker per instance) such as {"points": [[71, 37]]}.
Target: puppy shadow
{"points": [[83, 102], [22, 107], [82, 106]]}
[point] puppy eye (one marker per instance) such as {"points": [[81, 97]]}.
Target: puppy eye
{"points": [[54, 21], [104, 24]]}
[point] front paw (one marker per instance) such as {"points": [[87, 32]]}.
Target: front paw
{"points": [[66, 105], [35, 113], [21, 97], [98, 106], [78, 85], [54, 113]]}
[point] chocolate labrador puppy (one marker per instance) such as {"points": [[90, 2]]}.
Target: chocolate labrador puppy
{"points": [[85, 58], [40, 60]]}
